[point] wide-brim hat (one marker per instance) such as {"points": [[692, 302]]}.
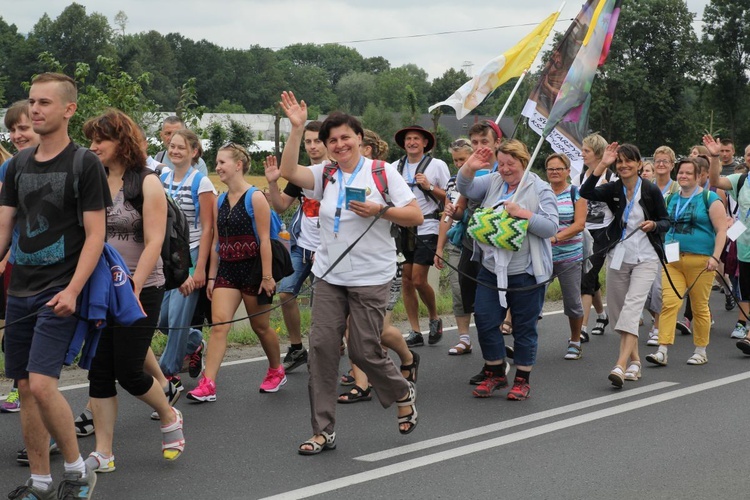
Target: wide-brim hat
{"points": [[401, 135]]}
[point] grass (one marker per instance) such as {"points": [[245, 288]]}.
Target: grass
{"points": [[258, 181]]}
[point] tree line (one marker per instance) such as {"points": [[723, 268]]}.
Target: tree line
{"points": [[662, 83]]}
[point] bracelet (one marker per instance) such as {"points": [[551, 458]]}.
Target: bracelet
{"points": [[715, 156], [555, 239], [717, 260], [267, 278], [211, 279]]}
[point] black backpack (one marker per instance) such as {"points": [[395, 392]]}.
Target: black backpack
{"points": [[421, 167], [175, 251]]}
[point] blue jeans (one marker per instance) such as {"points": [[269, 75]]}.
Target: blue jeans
{"points": [[489, 314], [302, 262], [177, 313]]}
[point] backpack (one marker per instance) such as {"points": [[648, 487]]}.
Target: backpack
{"points": [[421, 167], [23, 158], [175, 250], [275, 219], [193, 190]]}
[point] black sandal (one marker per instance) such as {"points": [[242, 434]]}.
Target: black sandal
{"points": [[354, 395], [411, 418], [601, 324], [413, 368], [347, 378]]}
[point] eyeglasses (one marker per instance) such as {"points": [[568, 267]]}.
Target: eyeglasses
{"points": [[460, 143], [662, 162], [555, 170], [231, 145]]}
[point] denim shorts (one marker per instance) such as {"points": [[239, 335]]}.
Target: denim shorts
{"points": [[302, 261], [37, 344]]}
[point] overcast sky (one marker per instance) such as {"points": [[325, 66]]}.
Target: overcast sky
{"points": [[277, 23]]}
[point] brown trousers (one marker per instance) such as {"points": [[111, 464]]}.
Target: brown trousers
{"points": [[364, 306]]}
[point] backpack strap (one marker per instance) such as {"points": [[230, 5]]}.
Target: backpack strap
{"points": [[740, 183], [328, 171], [221, 199], [573, 194], [196, 184], [381, 180], [401, 165], [160, 156]]}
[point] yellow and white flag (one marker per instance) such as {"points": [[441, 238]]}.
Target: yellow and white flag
{"points": [[499, 70]]}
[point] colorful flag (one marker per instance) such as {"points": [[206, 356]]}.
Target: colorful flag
{"points": [[509, 65], [567, 137]]}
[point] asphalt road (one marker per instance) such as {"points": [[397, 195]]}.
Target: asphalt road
{"points": [[679, 432]]}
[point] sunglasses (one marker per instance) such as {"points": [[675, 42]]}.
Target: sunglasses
{"points": [[232, 145], [460, 143]]}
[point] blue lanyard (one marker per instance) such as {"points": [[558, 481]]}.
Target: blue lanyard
{"points": [[342, 193], [410, 181], [629, 206], [666, 189], [174, 192], [494, 168], [706, 186], [679, 211]]}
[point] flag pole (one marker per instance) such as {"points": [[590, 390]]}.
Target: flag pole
{"points": [[528, 167], [518, 83]]}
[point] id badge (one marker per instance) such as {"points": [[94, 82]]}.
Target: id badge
{"points": [[672, 251], [736, 230], [335, 249], [617, 255]]}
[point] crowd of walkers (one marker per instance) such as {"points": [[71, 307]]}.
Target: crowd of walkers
{"points": [[367, 231]]}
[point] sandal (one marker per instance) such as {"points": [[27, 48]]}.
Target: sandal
{"points": [[411, 418], [413, 368], [633, 373], [172, 439], [84, 423], [617, 376], [601, 323], [354, 395], [461, 348], [697, 359], [347, 378], [316, 447], [744, 346], [507, 328]]}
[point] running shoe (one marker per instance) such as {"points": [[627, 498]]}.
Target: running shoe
{"points": [[684, 327], [74, 485], [739, 332], [520, 390], [28, 492], [415, 339], [275, 378], [172, 393], [491, 383], [100, 463], [12, 403], [22, 456], [729, 302], [294, 358], [436, 331], [205, 392], [197, 362]]}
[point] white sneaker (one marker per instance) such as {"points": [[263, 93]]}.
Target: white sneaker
{"points": [[653, 337], [739, 332]]}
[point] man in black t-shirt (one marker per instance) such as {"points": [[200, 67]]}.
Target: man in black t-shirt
{"points": [[726, 154], [55, 255], [305, 238]]}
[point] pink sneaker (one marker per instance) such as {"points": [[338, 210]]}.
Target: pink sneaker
{"points": [[275, 378], [206, 391]]}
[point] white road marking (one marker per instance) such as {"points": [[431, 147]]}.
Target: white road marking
{"points": [[400, 467], [534, 417]]}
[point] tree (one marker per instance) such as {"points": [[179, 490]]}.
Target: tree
{"points": [[382, 121], [355, 90], [726, 43], [390, 89], [188, 109], [17, 62], [229, 107], [335, 59], [445, 85], [121, 20]]}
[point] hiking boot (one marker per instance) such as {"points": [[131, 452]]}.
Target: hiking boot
{"points": [[520, 390], [436, 331], [415, 339], [75, 486], [492, 382], [197, 362], [294, 359], [28, 492], [12, 402], [206, 391], [275, 378]]}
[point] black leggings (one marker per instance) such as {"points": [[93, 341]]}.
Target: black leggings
{"points": [[122, 351]]}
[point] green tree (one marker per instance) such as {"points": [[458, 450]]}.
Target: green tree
{"points": [[382, 121], [121, 20], [18, 62], [188, 109], [336, 60], [150, 52], [726, 43], [355, 90], [229, 107], [390, 89]]}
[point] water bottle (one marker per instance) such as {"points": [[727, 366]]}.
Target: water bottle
{"points": [[285, 238]]}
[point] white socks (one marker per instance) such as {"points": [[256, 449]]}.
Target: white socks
{"points": [[41, 482], [663, 348], [77, 466]]}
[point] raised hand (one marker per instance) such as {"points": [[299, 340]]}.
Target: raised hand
{"points": [[295, 111], [479, 159], [610, 154], [271, 169], [713, 145]]}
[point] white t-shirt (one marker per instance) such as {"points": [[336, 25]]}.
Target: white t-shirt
{"points": [[309, 237], [437, 173], [373, 260], [181, 193]]}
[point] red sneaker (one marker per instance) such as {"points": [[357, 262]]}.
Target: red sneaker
{"points": [[520, 390], [491, 382]]}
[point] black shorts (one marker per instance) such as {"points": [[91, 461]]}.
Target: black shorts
{"points": [[235, 274], [424, 253]]}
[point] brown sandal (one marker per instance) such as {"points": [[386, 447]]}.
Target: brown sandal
{"points": [[507, 328], [462, 347]]}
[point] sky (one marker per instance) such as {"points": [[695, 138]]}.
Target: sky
{"points": [[278, 23]]}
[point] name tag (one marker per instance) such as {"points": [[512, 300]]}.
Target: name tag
{"points": [[618, 254], [672, 251], [736, 230]]}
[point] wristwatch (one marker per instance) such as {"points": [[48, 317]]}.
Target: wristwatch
{"points": [[432, 187]]}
